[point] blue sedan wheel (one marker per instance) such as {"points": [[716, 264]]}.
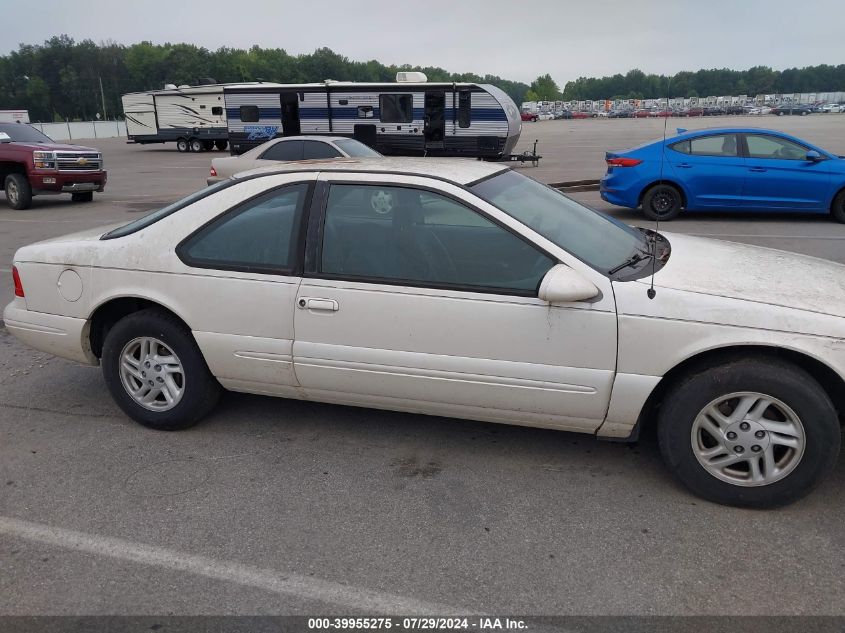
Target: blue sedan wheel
{"points": [[662, 202], [838, 209]]}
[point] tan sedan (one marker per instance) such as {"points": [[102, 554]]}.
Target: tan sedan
{"points": [[291, 148]]}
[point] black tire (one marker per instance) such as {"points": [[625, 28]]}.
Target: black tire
{"points": [[182, 145], [837, 209], [776, 379], [200, 389], [18, 192], [82, 196], [662, 202], [195, 145], [207, 146], [221, 145]]}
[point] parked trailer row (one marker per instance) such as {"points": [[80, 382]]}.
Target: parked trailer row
{"points": [[410, 117]]}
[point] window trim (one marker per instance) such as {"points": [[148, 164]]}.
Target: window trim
{"points": [[317, 222], [297, 246], [381, 97]]}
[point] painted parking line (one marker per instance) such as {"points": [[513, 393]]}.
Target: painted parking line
{"points": [[271, 580]]}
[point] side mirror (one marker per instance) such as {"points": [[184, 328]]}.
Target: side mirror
{"points": [[564, 285], [813, 156], [5, 138]]}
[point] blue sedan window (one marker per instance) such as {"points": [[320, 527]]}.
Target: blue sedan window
{"points": [[714, 145]]}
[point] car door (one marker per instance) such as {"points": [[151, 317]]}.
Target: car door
{"points": [[414, 301], [241, 272], [711, 170], [781, 177]]}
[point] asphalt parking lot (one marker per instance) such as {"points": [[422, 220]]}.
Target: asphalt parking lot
{"points": [[283, 507]]}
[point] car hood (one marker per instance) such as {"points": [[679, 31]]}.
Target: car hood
{"points": [[55, 147], [753, 273]]}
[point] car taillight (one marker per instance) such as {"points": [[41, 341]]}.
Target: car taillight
{"points": [[18, 285], [623, 162], [213, 171]]}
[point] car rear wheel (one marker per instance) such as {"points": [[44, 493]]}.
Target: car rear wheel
{"points": [[662, 202], [749, 433], [82, 196], [156, 373], [18, 192], [837, 210], [182, 145], [208, 145]]}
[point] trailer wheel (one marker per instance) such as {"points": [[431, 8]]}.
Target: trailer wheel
{"points": [[182, 145], [207, 146], [221, 145], [195, 144]]}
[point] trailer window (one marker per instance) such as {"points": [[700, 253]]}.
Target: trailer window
{"points": [[396, 108], [217, 110], [464, 108], [249, 114], [365, 112]]}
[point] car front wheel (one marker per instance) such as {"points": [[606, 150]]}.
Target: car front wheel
{"points": [[662, 202], [838, 208], [749, 433], [156, 373]]}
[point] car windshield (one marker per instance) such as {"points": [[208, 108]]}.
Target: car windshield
{"points": [[356, 148], [601, 242], [22, 133]]}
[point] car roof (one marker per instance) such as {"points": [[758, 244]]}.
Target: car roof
{"points": [[461, 171], [730, 130], [314, 137]]}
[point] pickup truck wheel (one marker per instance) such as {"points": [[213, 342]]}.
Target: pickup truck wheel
{"points": [[753, 433], [156, 373], [82, 196], [221, 145], [195, 144], [182, 145], [18, 192]]}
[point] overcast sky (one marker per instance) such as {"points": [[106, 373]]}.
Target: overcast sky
{"points": [[515, 39]]}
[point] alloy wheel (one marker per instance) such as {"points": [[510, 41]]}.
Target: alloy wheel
{"points": [[152, 374], [748, 439]]}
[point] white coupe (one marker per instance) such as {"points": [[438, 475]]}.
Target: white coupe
{"points": [[456, 288]]}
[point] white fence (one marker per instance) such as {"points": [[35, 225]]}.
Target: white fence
{"points": [[82, 129]]}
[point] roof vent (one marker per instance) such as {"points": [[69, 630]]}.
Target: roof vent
{"points": [[411, 77]]}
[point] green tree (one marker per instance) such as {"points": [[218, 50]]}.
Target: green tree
{"points": [[545, 89]]}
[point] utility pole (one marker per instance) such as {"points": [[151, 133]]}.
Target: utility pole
{"points": [[102, 96]]}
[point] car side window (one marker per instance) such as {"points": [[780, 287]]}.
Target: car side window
{"points": [[284, 150], [765, 146], [257, 236], [404, 235], [715, 145], [319, 149]]}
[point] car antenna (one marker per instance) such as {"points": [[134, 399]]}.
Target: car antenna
{"points": [[651, 292]]}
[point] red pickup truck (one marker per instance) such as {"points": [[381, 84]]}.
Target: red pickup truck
{"points": [[32, 164]]}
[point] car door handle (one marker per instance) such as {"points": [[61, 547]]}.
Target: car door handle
{"points": [[325, 305], [684, 165], [757, 170]]}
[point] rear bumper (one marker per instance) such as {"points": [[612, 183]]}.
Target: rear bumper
{"points": [[63, 182], [62, 336], [620, 194]]}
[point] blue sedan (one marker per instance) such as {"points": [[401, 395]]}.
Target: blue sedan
{"points": [[726, 169]]}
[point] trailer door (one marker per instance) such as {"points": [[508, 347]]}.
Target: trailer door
{"points": [[435, 119], [290, 113]]}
